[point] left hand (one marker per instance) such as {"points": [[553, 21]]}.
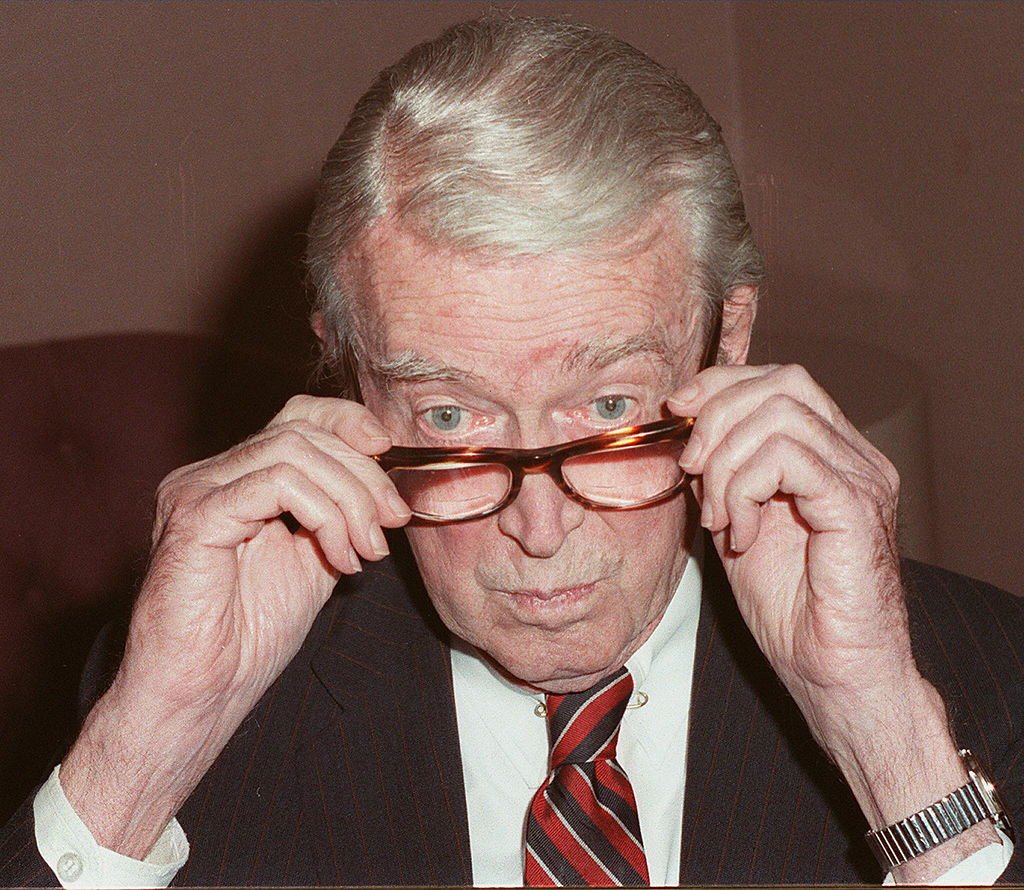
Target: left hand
{"points": [[802, 509]]}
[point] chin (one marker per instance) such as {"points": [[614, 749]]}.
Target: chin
{"points": [[559, 666]]}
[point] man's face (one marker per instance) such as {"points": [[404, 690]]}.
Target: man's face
{"points": [[526, 353]]}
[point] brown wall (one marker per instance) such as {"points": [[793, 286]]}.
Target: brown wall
{"points": [[158, 159]]}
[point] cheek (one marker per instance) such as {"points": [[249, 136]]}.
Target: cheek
{"points": [[647, 537], [443, 549], [447, 557]]}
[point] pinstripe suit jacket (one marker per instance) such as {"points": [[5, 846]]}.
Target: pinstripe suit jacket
{"points": [[348, 770]]}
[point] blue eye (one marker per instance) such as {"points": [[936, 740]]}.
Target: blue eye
{"points": [[446, 417], [611, 407]]}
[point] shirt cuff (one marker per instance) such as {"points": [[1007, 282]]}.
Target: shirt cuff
{"points": [[69, 848], [981, 869]]}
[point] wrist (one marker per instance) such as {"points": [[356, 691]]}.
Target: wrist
{"points": [[897, 754], [133, 766], [894, 749], [973, 807]]}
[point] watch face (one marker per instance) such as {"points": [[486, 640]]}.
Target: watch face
{"points": [[984, 786]]}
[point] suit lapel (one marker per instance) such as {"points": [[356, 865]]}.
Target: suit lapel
{"points": [[385, 769]]}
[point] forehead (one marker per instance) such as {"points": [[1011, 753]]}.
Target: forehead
{"points": [[427, 308]]}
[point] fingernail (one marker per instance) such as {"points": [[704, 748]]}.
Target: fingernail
{"points": [[353, 561], [396, 505], [689, 459], [707, 514], [378, 542], [686, 395]]}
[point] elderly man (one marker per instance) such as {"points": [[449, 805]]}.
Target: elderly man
{"points": [[534, 271]]}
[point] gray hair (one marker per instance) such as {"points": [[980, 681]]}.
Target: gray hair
{"points": [[525, 136]]}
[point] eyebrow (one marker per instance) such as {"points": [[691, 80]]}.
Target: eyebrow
{"points": [[411, 367], [604, 351]]}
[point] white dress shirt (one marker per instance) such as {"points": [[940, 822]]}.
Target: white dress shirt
{"points": [[504, 755]]}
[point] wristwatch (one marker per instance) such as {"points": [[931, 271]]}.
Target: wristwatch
{"points": [[946, 818]]}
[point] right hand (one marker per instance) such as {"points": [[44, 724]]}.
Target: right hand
{"points": [[229, 597], [231, 592]]}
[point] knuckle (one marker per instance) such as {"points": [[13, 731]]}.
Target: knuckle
{"points": [[708, 422], [290, 439], [794, 374], [297, 406], [781, 403], [733, 493], [281, 474], [777, 443], [358, 503], [303, 427], [248, 446], [171, 491]]}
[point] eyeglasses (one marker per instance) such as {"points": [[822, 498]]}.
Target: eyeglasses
{"points": [[635, 466]]}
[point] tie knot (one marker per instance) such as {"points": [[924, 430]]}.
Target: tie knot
{"points": [[584, 726]]}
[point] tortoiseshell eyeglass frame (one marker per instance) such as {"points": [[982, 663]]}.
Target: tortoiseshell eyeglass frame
{"points": [[522, 462]]}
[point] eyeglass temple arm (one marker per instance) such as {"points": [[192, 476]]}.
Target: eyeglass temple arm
{"points": [[711, 352]]}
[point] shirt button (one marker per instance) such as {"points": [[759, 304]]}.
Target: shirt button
{"points": [[69, 867]]}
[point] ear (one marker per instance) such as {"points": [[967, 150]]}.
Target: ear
{"points": [[316, 322], [738, 311]]}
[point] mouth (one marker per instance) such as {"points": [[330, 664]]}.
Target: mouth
{"points": [[553, 594]]}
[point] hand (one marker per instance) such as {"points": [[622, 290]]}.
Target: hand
{"points": [[231, 592], [229, 597], [802, 510]]}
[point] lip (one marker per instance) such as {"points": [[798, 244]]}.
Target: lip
{"points": [[545, 595]]}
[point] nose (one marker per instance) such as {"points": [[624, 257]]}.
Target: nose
{"points": [[541, 517]]}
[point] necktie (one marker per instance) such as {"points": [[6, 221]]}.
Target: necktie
{"points": [[582, 829]]}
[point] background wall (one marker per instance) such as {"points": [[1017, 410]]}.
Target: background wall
{"points": [[158, 162]]}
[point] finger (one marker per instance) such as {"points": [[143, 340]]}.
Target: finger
{"points": [[392, 510], [350, 495], [688, 399], [231, 514], [823, 497], [726, 398], [781, 415], [351, 422], [306, 542], [356, 482]]}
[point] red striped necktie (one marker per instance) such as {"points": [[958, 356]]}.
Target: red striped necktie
{"points": [[582, 829]]}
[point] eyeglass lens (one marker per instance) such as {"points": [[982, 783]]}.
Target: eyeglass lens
{"points": [[626, 476], [622, 477], [452, 491]]}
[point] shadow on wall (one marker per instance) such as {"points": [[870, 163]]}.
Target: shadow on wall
{"points": [[91, 427], [267, 350]]}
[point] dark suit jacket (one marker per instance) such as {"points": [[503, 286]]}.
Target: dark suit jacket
{"points": [[348, 770]]}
